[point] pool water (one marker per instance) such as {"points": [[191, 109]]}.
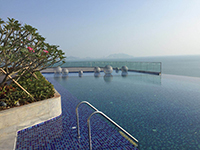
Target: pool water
{"points": [[162, 112], [61, 132]]}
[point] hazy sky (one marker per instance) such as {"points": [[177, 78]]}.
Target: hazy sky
{"points": [[98, 28]]}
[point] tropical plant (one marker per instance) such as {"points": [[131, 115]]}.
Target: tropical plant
{"points": [[23, 51], [12, 95]]}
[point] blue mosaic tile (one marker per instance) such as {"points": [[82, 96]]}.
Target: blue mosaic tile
{"points": [[58, 133], [162, 112]]}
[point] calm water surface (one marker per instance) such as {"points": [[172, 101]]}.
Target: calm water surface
{"points": [[162, 112]]}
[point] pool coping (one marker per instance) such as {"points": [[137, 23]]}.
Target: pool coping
{"points": [[15, 119]]}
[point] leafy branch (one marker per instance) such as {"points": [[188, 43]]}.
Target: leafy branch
{"points": [[23, 49]]}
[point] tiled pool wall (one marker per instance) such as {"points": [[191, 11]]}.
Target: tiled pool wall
{"points": [[60, 133]]}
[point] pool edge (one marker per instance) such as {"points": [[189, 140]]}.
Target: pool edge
{"points": [[8, 133]]}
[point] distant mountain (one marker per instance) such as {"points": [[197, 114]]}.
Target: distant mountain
{"points": [[72, 57], [119, 55], [88, 58]]}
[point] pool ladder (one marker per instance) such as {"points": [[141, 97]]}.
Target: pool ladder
{"points": [[134, 142]]}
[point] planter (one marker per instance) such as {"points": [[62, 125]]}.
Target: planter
{"points": [[18, 118]]}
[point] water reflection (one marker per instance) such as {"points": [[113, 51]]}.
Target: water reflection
{"points": [[58, 75], [97, 74], [108, 79], [124, 74], [133, 77], [144, 78], [65, 77]]}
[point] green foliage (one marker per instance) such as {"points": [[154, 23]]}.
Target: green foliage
{"points": [[22, 49], [39, 88], [5, 90]]}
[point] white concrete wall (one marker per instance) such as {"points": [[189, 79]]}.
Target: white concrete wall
{"points": [[18, 118]]}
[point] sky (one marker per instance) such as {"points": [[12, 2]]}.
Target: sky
{"points": [[98, 28]]}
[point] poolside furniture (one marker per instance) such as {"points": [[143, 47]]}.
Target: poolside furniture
{"points": [[124, 70], [65, 72], [58, 72], [97, 71], [80, 73], [117, 69], [108, 70]]}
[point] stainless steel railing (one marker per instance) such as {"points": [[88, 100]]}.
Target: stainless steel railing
{"points": [[105, 116], [77, 115]]}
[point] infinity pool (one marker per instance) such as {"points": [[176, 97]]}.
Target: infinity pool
{"points": [[162, 112]]}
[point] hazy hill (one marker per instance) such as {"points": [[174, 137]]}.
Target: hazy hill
{"points": [[72, 57], [119, 55]]}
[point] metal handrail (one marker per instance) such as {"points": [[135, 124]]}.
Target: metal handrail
{"points": [[88, 122], [77, 115], [99, 112]]}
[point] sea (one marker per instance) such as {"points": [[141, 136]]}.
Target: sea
{"points": [[175, 65]]}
